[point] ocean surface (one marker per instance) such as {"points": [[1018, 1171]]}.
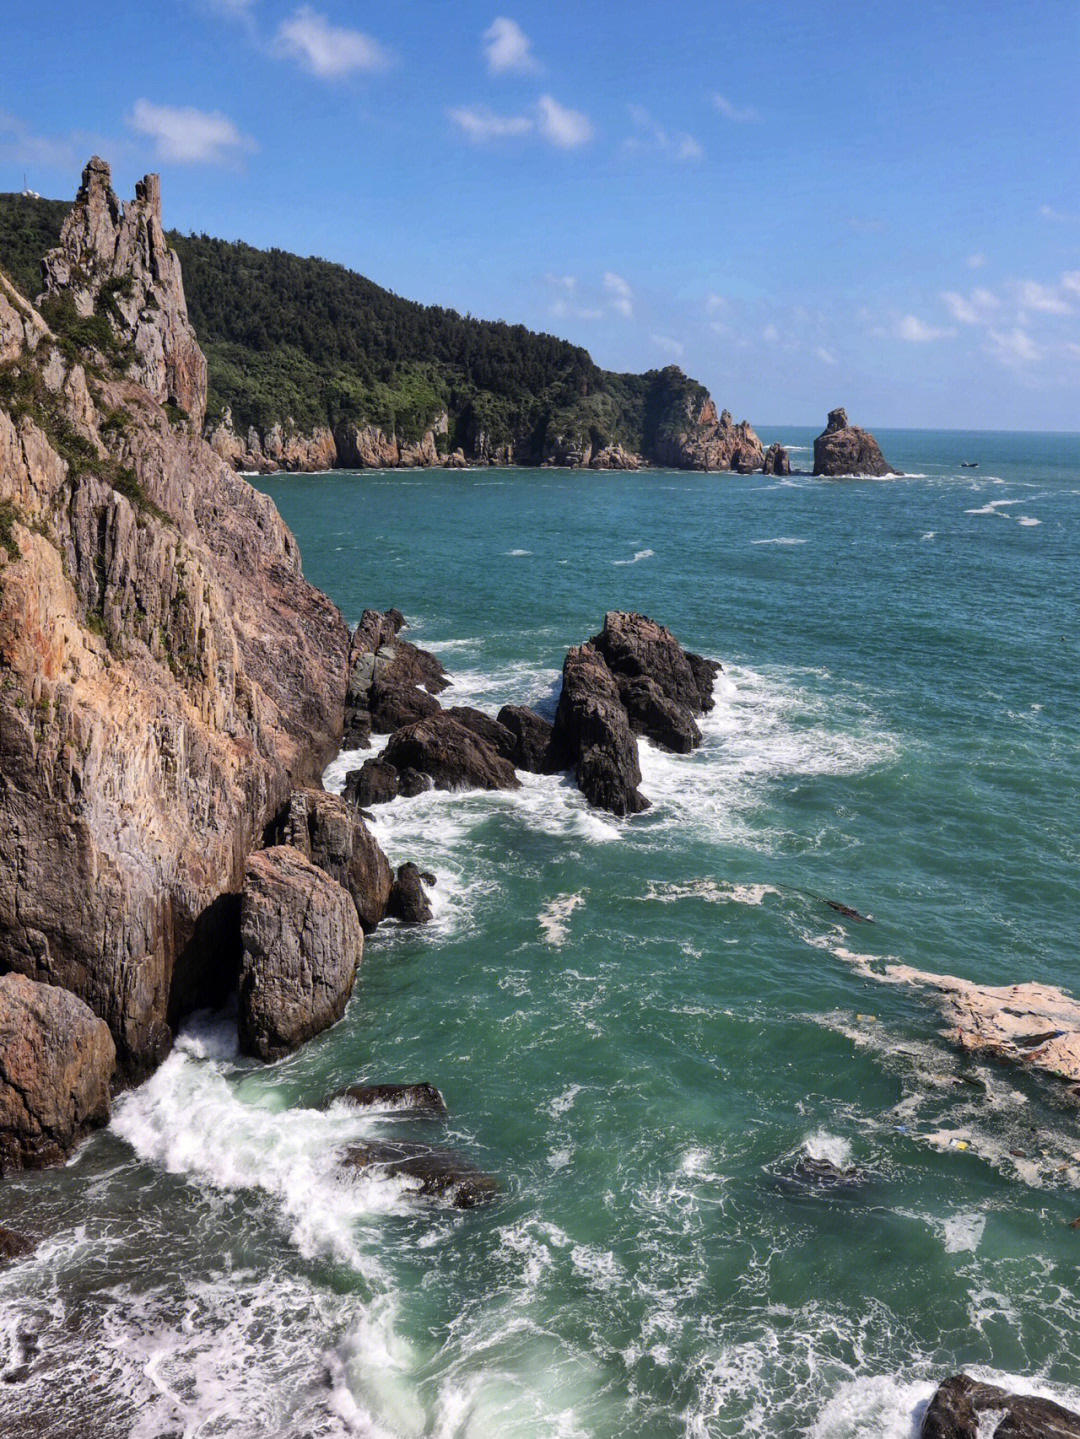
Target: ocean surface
{"points": [[640, 1026]]}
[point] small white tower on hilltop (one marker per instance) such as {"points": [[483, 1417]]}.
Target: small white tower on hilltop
{"points": [[30, 194]]}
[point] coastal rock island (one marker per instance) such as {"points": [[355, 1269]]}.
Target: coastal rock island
{"points": [[844, 449]]}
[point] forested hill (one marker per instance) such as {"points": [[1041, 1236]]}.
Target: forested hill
{"points": [[306, 345]]}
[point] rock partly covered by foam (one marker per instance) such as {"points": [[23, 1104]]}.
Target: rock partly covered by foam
{"points": [[418, 1101], [455, 757], [632, 678], [430, 1171], [302, 945], [1034, 1025], [56, 1063], [170, 677], [408, 902], [962, 1408], [844, 449]]}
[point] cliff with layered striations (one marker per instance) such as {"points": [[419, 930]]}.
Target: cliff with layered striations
{"points": [[167, 676], [312, 366]]}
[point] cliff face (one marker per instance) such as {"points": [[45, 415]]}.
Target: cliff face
{"points": [[166, 674], [697, 439]]}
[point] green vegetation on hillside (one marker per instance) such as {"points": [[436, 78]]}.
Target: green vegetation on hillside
{"points": [[303, 339]]}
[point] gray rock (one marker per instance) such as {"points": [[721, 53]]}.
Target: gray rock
{"points": [[953, 1413], [56, 1064], [419, 1101], [375, 782], [302, 944], [531, 739], [408, 902], [12, 1245], [592, 735], [452, 755]]}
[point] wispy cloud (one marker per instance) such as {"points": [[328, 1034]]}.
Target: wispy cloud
{"points": [[508, 49], [187, 136], [479, 123], [20, 145], [741, 115], [975, 309], [652, 139], [329, 51], [668, 345], [977, 261], [826, 355], [1046, 298], [620, 293], [910, 327], [564, 127], [1013, 346], [1059, 217]]}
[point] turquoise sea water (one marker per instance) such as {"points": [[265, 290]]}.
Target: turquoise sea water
{"points": [[640, 1026]]}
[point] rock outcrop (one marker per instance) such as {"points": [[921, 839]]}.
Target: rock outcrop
{"points": [[329, 832], [776, 461], [302, 944], [168, 677], [531, 735], [13, 1245], [844, 449], [699, 439], [430, 1171], [954, 1413], [454, 757], [375, 782], [284, 446], [56, 1063], [391, 682], [408, 902], [632, 678]]}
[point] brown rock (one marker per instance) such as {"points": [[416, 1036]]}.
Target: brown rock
{"points": [[170, 676], [452, 755], [408, 902], [489, 730], [531, 739], [435, 1172], [12, 1245], [776, 461], [592, 735], [56, 1063], [302, 945], [375, 782], [420, 1101], [844, 449], [953, 1413], [328, 831]]}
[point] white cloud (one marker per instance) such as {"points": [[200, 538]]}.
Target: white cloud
{"points": [[563, 127], [188, 136], [714, 304], [1058, 216], [561, 282], [622, 297], [1071, 281], [1013, 346], [910, 327], [959, 308], [480, 124], [826, 355], [771, 335], [1034, 296], [328, 50], [976, 262], [744, 115], [508, 48], [653, 139], [668, 345]]}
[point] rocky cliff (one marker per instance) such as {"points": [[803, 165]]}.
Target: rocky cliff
{"points": [[844, 449], [167, 676]]}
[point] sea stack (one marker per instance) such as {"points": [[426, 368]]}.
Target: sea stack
{"points": [[845, 449]]}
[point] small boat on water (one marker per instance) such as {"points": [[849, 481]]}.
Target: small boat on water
{"points": [[969, 464]]}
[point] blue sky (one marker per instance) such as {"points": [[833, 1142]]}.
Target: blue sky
{"points": [[803, 204]]}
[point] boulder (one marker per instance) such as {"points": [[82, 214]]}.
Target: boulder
{"points": [[391, 682], [394, 705], [302, 943], [408, 902], [411, 783], [531, 735], [416, 1101], [454, 757], [56, 1064], [592, 735], [953, 1413], [652, 713], [434, 1172], [484, 727], [329, 832], [12, 1245], [375, 782], [633, 645], [776, 461], [844, 449]]}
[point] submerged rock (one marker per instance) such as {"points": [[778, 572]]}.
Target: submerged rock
{"points": [[454, 757], [56, 1064], [811, 1175], [953, 1413], [844, 449], [302, 944], [12, 1245], [422, 1101], [437, 1172], [408, 902]]}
